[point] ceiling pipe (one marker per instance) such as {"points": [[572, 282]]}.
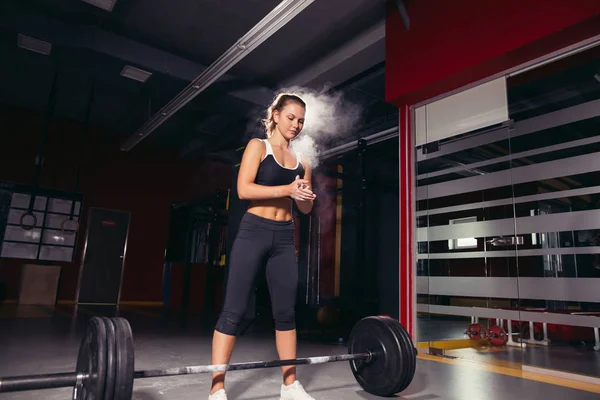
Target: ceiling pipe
{"points": [[371, 139], [275, 20]]}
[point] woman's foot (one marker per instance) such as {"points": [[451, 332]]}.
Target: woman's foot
{"points": [[218, 395], [295, 391]]}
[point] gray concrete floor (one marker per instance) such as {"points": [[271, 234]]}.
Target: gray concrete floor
{"points": [[49, 345]]}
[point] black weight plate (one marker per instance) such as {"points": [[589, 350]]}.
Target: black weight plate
{"points": [[111, 358], [382, 375], [91, 361], [125, 360], [411, 354], [402, 374], [408, 357], [408, 354]]}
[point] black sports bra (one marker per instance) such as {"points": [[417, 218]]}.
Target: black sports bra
{"points": [[271, 173]]}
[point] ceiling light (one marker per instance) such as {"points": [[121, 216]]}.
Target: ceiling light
{"points": [[33, 44], [103, 4], [135, 73]]}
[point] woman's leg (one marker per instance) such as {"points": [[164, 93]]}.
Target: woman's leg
{"points": [[248, 254], [282, 278], [286, 348], [222, 347]]}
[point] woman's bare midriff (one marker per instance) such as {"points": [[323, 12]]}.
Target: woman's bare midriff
{"points": [[275, 209]]}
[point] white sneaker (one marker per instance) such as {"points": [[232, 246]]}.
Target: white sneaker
{"points": [[295, 391], [218, 395]]}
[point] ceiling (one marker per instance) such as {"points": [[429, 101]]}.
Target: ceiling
{"points": [[335, 44]]}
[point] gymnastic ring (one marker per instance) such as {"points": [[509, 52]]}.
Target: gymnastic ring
{"points": [[69, 232], [28, 227]]}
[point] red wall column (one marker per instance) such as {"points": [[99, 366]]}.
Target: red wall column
{"points": [[407, 218], [325, 209]]}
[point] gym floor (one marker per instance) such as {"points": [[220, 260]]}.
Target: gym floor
{"points": [[577, 358], [36, 340]]}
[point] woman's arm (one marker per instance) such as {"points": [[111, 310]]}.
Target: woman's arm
{"points": [[247, 189], [306, 206]]}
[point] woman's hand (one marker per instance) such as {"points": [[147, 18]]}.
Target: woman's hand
{"points": [[300, 190]]}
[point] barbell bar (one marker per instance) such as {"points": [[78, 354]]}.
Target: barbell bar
{"points": [[202, 369], [381, 356]]}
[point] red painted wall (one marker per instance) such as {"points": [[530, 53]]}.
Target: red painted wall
{"points": [[144, 183], [407, 273], [454, 43]]}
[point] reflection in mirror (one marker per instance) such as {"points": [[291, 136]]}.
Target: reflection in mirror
{"points": [[508, 228]]}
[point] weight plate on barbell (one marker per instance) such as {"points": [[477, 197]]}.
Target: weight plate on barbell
{"points": [[91, 361], [125, 360], [409, 355], [476, 331], [497, 335], [385, 374], [111, 358]]}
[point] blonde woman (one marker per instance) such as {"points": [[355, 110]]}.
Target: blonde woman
{"points": [[272, 176]]}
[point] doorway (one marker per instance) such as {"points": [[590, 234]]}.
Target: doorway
{"points": [[104, 257]]}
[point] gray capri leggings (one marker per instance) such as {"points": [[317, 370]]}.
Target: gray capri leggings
{"points": [[261, 242]]}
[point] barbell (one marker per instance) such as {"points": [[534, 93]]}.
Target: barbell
{"points": [[380, 352]]}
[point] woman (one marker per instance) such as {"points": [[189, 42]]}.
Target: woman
{"points": [[272, 176]]}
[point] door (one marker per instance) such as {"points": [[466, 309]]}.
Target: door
{"points": [[104, 256], [467, 272]]}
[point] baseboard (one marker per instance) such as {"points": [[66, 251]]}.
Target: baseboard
{"points": [[131, 303], [15, 301], [123, 303], [142, 303], [453, 344], [561, 374]]}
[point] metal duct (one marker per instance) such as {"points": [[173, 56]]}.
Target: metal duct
{"points": [[371, 139]]}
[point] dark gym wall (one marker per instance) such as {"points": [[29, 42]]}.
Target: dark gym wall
{"points": [[381, 268], [143, 185], [325, 208], [348, 263], [382, 242]]}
